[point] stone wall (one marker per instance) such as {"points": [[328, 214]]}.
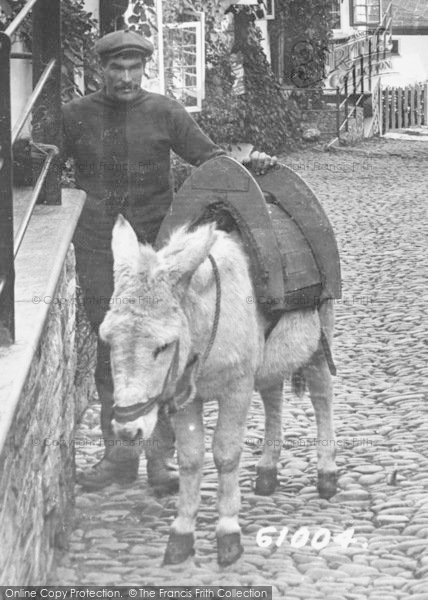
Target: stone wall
{"points": [[37, 460], [325, 120]]}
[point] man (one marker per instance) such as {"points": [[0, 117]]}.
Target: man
{"points": [[121, 138]]}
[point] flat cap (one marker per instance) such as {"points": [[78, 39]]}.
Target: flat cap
{"points": [[116, 42]]}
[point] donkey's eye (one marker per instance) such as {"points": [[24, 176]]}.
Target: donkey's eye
{"points": [[160, 349]]}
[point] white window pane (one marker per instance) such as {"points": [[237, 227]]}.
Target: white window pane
{"points": [[366, 11], [184, 56]]}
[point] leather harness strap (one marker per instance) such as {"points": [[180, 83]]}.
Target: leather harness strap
{"points": [[217, 310], [130, 413], [173, 404], [327, 352]]}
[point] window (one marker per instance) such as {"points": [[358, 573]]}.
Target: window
{"points": [[183, 49], [177, 68], [269, 6], [366, 12], [335, 14]]}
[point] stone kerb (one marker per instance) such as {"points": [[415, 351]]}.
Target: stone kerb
{"points": [[40, 402]]}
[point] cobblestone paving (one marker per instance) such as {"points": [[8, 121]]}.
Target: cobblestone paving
{"points": [[376, 197]]}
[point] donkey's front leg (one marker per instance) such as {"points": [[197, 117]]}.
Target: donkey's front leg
{"points": [[189, 431], [227, 446]]}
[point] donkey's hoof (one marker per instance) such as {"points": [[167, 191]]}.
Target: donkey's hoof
{"points": [[180, 547], [266, 481], [327, 484], [229, 548]]}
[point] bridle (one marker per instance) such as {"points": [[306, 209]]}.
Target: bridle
{"points": [[183, 392]]}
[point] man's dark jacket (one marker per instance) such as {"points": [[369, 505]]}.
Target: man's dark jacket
{"points": [[122, 160]]}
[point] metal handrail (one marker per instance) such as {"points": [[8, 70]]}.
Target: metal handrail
{"points": [[46, 57], [33, 99], [353, 109], [382, 29], [303, 89], [342, 104], [12, 27], [50, 155], [387, 13]]}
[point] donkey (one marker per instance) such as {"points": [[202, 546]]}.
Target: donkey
{"points": [[159, 340]]}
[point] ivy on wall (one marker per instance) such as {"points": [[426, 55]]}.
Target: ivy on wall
{"points": [[79, 32], [263, 115], [301, 32]]}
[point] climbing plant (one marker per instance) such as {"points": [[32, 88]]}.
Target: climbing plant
{"points": [[79, 31], [143, 17], [261, 115], [304, 27]]}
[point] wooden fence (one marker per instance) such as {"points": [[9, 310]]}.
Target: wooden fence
{"points": [[404, 107]]}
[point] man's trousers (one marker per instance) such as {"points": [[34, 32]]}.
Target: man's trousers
{"points": [[95, 273]]}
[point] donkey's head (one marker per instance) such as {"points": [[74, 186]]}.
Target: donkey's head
{"points": [[146, 327]]}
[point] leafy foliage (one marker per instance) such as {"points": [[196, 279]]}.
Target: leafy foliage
{"points": [[78, 38], [143, 18], [79, 32], [263, 115], [305, 29]]}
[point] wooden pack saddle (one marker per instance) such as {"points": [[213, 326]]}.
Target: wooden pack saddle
{"points": [[285, 231]]}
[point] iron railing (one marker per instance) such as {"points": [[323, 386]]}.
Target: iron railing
{"points": [[44, 105], [372, 45], [358, 77]]}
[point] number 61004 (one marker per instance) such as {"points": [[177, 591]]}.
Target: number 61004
{"points": [[320, 539]]}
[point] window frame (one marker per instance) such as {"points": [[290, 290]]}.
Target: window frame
{"points": [[366, 23], [199, 27], [269, 9], [338, 11]]}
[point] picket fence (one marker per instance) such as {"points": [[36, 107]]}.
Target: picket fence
{"points": [[404, 107]]}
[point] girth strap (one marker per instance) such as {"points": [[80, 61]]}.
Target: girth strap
{"points": [[327, 353]]}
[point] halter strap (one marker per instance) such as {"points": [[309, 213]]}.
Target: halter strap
{"points": [[134, 411]]}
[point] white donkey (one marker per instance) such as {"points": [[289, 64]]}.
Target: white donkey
{"points": [[160, 326]]}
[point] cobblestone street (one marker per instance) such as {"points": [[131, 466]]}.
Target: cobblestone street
{"points": [[375, 195]]}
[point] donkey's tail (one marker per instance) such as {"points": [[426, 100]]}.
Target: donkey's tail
{"points": [[298, 383]]}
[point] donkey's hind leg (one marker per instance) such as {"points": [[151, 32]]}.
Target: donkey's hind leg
{"points": [[266, 480], [319, 382]]}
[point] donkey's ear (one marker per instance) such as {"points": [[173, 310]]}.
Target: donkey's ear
{"points": [[184, 252], [124, 244]]}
